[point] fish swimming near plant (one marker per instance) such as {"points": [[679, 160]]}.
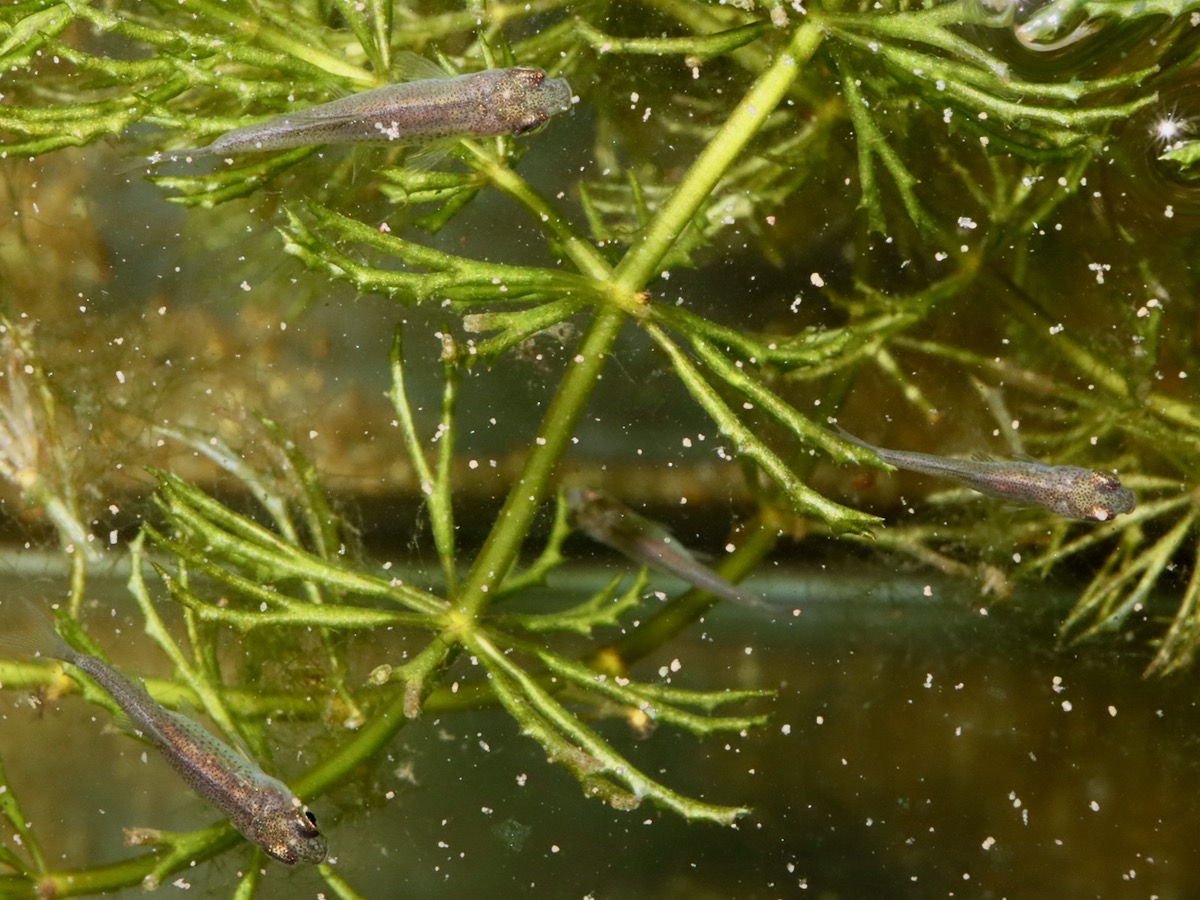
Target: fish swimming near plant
{"points": [[1070, 491], [605, 519], [262, 808], [429, 107]]}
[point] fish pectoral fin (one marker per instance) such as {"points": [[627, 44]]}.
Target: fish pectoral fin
{"points": [[408, 66], [428, 156]]}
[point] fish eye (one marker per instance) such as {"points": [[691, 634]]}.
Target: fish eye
{"points": [[307, 827]]}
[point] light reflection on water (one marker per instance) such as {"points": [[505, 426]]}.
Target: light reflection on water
{"points": [[917, 748]]}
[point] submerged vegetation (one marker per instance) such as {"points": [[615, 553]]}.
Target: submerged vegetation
{"points": [[928, 196]]}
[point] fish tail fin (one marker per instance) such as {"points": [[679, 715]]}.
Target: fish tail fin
{"points": [[28, 631], [847, 436], [737, 594]]}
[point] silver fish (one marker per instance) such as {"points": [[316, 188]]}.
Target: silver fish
{"points": [[262, 808], [435, 107], [605, 519], [1070, 491]]}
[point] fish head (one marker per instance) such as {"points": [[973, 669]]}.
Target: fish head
{"points": [[1107, 498], [293, 838], [525, 99]]}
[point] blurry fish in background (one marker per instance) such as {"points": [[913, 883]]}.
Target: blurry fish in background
{"points": [[605, 519], [1070, 491]]}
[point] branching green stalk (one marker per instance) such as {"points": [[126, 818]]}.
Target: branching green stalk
{"points": [[226, 534], [1107, 603], [340, 887], [441, 509], [604, 608], [563, 237], [643, 259], [10, 809], [803, 428], [536, 710], [1104, 376], [270, 36], [653, 706], [290, 613], [699, 48], [638, 266], [871, 143], [211, 699], [435, 489], [508, 534], [548, 560], [800, 495], [1178, 648], [461, 281]]}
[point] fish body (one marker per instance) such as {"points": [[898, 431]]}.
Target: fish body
{"points": [[605, 519], [1069, 491], [480, 104], [262, 808]]}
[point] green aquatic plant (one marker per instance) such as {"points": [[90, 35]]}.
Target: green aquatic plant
{"points": [[822, 121]]}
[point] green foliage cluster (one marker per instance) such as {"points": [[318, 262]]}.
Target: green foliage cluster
{"points": [[812, 99]]}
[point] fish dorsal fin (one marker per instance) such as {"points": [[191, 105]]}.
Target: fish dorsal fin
{"points": [[408, 66]]}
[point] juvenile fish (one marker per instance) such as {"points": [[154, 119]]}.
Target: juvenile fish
{"points": [[262, 808], [605, 519], [1067, 490], [433, 108]]}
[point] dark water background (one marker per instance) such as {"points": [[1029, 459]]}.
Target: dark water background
{"points": [[919, 746]]}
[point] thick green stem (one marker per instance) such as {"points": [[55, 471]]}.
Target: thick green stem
{"points": [[553, 437], [643, 260], [638, 267]]}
